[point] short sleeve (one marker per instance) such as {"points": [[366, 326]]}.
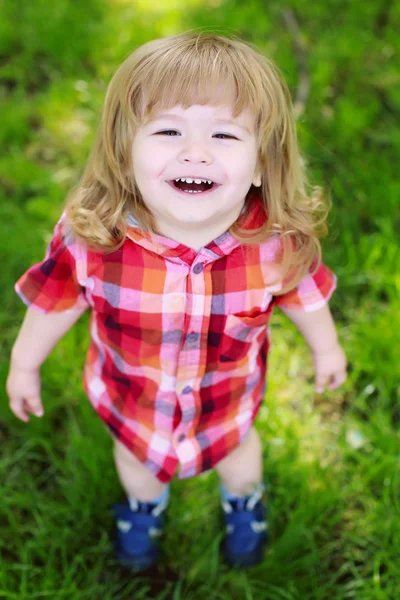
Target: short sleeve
{"points": [[311, 293], [53, 284]]}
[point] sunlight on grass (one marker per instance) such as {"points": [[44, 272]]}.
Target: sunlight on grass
{"points": [[67, 112], [169, 13], [161, 7]]}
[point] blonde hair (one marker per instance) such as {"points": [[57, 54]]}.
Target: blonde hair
{"points": [[189, 69]]}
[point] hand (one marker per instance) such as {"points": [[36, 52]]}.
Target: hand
{"points": [[330, 368], [23, 389]]}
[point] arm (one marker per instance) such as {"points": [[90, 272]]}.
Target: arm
{"points": [[319, 331], [38, 335]]}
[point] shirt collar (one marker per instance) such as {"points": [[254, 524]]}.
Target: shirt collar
{"points": [[252, 216]]}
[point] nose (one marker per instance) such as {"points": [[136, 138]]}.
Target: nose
{"points": [[195, 151]]}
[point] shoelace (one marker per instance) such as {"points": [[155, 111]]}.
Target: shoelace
{"points": [[247, 503], [147, 507]]}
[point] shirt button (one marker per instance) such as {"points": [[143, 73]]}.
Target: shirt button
{"points": [[181, 438], [192, 337], [186, 390], [198, 268]]}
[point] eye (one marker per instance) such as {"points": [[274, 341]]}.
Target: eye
{"points": [[232, 137], [166, 132]]}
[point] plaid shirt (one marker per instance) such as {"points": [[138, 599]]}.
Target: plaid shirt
{"points": [[176, 366]]}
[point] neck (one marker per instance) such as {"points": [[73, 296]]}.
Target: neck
{"points": [[192, 239], [194, 235]]}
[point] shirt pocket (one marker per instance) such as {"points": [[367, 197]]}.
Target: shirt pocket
{"points": [[240, 332]]}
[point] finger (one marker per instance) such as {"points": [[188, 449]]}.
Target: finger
{"points": [[16, 406], [33, 404], [321, 382], [337, 380]]}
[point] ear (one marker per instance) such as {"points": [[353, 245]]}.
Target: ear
{"points": [[257, 179]]}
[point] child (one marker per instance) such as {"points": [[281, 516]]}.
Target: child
{"points": [[191, 222]]}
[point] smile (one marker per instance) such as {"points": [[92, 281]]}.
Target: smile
{"points": [[183, 187]]}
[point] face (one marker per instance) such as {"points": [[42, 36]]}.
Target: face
{"points": [[196, 143]]}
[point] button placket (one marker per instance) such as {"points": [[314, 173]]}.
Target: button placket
{"points": [[190, 368]]}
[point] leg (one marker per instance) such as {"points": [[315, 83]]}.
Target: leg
{"points": [[137, 481], [241, 470]]}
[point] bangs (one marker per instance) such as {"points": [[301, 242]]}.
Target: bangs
{"points": [[198, 74]]}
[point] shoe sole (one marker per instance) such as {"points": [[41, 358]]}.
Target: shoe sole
{"points": [[247, 560], [135, 563]]}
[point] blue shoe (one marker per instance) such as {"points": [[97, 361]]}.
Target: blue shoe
{"points": [[138, 532], [246, 529]]}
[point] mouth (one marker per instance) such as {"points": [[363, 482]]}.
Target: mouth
{"points": [[204, 188]]}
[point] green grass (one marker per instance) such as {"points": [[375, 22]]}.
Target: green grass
{"points": [[331, 462]]}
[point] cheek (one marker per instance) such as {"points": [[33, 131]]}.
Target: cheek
{"points": [[144, 170], [241, 172], [240, 163], [150, 161]]}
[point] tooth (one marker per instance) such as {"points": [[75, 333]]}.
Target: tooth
{"points": [[190, 180]]}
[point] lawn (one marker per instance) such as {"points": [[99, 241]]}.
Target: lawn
{"points": [[331, 462]]}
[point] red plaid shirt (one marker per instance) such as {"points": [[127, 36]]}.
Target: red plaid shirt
{"points": [[176, 366]]}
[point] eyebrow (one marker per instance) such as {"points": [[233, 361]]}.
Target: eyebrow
{"points": [[220, 121]]}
